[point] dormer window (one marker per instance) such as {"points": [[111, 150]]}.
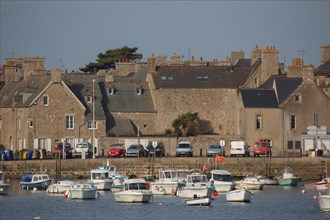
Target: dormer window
{"points": [[139, 91], [89, 99], [111, 90]]}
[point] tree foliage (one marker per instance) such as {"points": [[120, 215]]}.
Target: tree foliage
{"points": [[186, 124], [107, 60]]}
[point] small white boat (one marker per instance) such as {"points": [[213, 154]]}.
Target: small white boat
{"points": [[134, 191], [82, 191], [223, 180], [267, 180], [322, 185], [60, 187], [32, 181], [166, 184], [205, 201], [239, 195], [324, 202], [4, 187], [250, 182], [100, 178], [196, 186]]}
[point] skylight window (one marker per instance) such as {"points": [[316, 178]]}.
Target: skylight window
{"points": [[166, 78], [202, 78]]}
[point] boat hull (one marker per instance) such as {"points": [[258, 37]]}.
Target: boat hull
{"points": [[199, 201], [135, 196], [103, 184], [324, 202], [239, 196], [222, 186], [249, 185], [4, 188], [164, 188], [288, 181], [193, 192], [59, 187], [42, 185], [83, 194]]}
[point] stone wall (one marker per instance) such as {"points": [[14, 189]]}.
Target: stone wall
{"points": [[309, 168]]}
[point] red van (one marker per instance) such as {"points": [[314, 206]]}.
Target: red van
{"points": [[262, 148]]}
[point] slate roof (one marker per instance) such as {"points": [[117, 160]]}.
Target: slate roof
{"points": [[284, 86], [125, 98], [29, 88], [171, 77], [259, 98], [323, 70]]}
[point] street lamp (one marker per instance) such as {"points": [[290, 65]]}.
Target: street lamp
{"points": [[93, 122]]}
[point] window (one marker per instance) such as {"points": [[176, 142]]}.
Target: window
{"points": [[202, 78], [139, 91], [42, 143], [89, 98], [297, 145], [90, 124], [297, 98], [290, 145], [69, 122], [30, 123], [111, 91], [165, 78], [258, 122], [293, 120], [45, 100], [220, 77]]}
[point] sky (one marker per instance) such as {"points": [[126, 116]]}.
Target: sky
{"points": [[70, 34]]}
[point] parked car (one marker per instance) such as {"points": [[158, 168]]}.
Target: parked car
{"points": [[184, 148], [215, 149], [262, 148], [160, 149], [116, 150], [84, 147], [67, 149], [239, 148], [134, 150]]}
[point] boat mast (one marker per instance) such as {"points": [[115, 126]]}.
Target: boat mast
{"points": [[138, 133]]}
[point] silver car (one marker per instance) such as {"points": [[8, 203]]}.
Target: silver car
{"points": [[215, 149], [135, 151]]}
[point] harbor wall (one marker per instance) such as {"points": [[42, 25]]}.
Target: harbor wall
{"points": [[309, 168]]}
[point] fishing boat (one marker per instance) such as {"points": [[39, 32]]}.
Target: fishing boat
{"points": [[134, 191], [223, 180], [239, 195], [196, 186], [166, 184], [288, 178], [60, 187], [4, 187], [100, 178], [322, 185], [35, 181], [82, 191], [268, 180], [203, 201], [250, 182]]}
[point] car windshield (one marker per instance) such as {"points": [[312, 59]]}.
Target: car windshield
{"points": [[184, 146], [133, 147], [215, 147], [115, 146]]}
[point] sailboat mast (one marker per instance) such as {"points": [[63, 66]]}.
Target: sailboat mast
{"points": [[138, 131]]}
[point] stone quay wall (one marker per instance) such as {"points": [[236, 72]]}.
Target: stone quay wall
{"points": [[309, 168]]}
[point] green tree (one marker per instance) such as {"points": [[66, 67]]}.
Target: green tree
{"points": [[107, 60], [186, 124]]}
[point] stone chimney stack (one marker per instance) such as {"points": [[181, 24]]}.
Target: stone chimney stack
{"points": [[236, 55], [308, 72], [255, 54], [269, 61], [325, 53], [175, 58], [161, 59], [295, 70], [55, 75], [152, 63]]}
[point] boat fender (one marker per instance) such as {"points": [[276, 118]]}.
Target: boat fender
{"points": [[315, 197], [156, 188], [173, 191], [66, 193], [161, 189]]}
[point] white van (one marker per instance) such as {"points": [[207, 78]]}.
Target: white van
{"points": [[86, 147], [239, 148]]}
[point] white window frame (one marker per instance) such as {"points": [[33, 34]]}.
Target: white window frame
{"points": [[297, 98], [258, 122], [293, 117], [30, 123], [45, 100], [89, 99], [69, 122], [90, 124]]}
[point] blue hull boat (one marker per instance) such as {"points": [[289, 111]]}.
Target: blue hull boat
{"points": [[35, 181]]}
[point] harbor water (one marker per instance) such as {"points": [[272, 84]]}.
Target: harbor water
{"points": [[273, 202]]}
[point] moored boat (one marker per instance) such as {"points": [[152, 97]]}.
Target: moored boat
{"points": [[134, 191], [166, 184], [239, 195], [203, 201], [35, 181], [250, 182], [195, 186], [268, 180], [82, 191], [4, 187], [60, 187], [100, 178], [223, 180], [288, 178]]}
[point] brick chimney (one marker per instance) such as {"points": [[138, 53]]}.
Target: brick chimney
{"points": [[325, 53]]}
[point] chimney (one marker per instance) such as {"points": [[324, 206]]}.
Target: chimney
{"points": [[175, 58], [255, 54], [55, 75], [236, 55], [325, 53], [161, 59], [308, 72], [151, 63], [295, 70], [269, 62]]}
